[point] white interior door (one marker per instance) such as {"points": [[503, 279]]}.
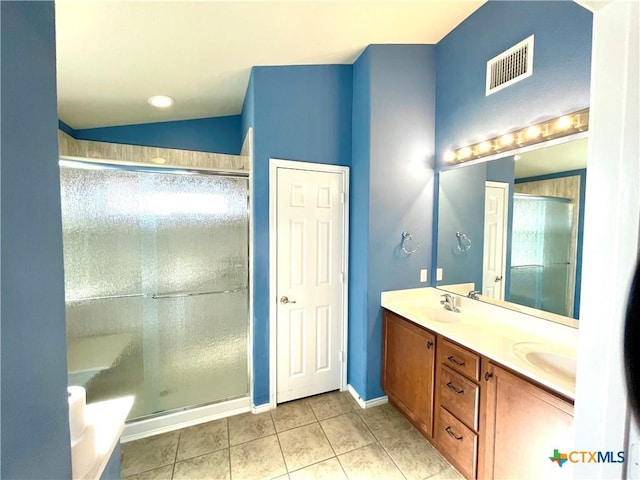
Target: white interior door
{"points": [[310, 239], [494, 260]]}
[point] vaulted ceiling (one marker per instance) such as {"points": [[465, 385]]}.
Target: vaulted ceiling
{"points": [[113, 55]]}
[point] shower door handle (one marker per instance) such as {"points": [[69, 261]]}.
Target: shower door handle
{"points": [[284, 300]]}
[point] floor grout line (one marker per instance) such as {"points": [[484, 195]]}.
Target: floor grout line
{"points": [[282, 454], [367, 428]]}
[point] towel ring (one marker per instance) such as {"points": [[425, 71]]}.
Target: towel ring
{"points": [[464, 242], [406, 237]]}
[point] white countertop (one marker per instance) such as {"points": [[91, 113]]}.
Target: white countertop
{"points": [[108, 419], [502, 335]]}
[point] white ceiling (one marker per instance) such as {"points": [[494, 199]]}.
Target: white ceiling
{"points": [[113, 55], [558, 158]]}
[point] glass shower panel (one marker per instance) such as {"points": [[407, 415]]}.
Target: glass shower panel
{"points": [[526, 252], [196, 230], [190, 255], [540, 261], [203, 349], [557, 256], [101, 233], [156, 268]]}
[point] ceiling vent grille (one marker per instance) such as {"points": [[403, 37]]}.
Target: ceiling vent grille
{"points": [[510, 66]]}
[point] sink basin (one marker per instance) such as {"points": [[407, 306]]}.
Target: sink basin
{"points": [[435, 314], [557, 361], [444, 316]]}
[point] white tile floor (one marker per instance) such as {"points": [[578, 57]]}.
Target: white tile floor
{"points": [[323, 437]]}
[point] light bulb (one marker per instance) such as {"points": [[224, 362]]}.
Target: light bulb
{"points": [[449, 156], [533, 132], [564, 123], [160, 101], [484, 147], [464, 152], [506, 139]]}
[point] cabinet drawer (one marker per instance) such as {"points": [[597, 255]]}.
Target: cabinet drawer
{"points": [[457, 442], [459, 396], [460, 359]]}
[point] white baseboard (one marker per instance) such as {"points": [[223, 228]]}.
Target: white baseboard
{"points": [[185, 418], [374, 402], [265, 407]]}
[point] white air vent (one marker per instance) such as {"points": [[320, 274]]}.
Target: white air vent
{"points": [[510, 66]]}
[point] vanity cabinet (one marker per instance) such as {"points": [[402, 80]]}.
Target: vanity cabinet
{"points": [[456, 431], [524, 423], [489, 422], [407, 371]]}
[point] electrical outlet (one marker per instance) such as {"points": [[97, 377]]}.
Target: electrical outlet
{"points": [[423, 275], [438, 274]]}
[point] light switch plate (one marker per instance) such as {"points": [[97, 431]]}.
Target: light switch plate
{"points": [[438, 274], [423, 275]]}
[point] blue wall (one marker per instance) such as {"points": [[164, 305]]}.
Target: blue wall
{"points": [[247, 117], [35, 428], [299, 113], [393, 150], [461, 209], [215, 134], [359, 224], [561, 69]]}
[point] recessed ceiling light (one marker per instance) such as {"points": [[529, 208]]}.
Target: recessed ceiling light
{"points": [[160, 101]]}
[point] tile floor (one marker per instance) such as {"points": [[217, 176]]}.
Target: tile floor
{"points": [[323, 437]]}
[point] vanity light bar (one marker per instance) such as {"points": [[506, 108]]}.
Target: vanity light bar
{"points": [[540, 132]]}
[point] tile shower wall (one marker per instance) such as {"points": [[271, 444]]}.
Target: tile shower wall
{"points": [[133, 153]]}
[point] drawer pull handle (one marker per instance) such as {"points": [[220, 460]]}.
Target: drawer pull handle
{"points": [[453, 360], [429, 344], [452, 433], [452, 387]]}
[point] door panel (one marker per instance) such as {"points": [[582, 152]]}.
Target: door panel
{"points": [[309, 251], [494, 252]]}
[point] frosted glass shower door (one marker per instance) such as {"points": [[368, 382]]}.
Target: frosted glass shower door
{"points": [[540, 255], [156, 267], [198, 267]]}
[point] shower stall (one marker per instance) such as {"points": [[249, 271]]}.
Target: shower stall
{"points": [[541, 253], [156, 284]]}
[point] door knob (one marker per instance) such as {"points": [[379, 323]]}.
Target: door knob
{"points": [[499, 278], [284, 300]]}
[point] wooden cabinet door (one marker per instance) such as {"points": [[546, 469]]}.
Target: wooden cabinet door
{"points": [[408, 368], [524, 424]]}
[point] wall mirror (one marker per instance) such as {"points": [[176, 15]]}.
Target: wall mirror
{"points": [[510, 229]]}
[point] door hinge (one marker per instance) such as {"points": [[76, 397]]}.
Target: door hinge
{"points": [[342, 197]]}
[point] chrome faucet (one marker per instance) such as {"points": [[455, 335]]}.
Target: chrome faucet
{"points": [[474, 294], [448, 303]]}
